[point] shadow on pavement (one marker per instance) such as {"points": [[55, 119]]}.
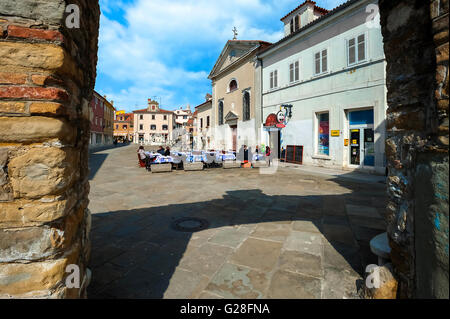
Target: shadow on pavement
{"points": [[96, 161], [135, 252]]}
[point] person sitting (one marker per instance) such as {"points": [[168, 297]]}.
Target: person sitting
{"points": [[161, 150], [142, 156], [167, 152]]}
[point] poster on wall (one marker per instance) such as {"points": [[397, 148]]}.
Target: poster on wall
{"points": [[324, 134]]}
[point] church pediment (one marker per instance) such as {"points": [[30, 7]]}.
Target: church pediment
{"points": [[231, 116], [233, 51]]}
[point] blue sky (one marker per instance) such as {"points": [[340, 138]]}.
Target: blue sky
{"points": [[166, 48]]}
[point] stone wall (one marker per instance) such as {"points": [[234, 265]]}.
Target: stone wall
{"points": [[47, 74], [416, 47]]}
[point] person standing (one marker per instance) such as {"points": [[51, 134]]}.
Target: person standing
{"points": [[269, 154]]}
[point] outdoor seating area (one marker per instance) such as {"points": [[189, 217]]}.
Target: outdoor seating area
{"points": [[198, 160]]}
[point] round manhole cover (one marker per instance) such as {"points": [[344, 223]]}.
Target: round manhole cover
{"points": [[189, 224]]}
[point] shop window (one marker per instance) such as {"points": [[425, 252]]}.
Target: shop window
{"points": [[323, 134]]}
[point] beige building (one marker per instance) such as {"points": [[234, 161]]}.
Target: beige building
{"points": [[233, 95], [153, 125], [203, 126]]}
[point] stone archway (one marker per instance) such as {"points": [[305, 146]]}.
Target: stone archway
{"points": [[47, 74]]}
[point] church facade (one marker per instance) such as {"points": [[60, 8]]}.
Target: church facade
{"points": [[233, 116]]}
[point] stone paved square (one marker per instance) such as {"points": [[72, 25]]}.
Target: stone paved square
{"points": [[295, 234]]}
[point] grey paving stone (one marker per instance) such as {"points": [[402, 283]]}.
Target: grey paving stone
{"points": [[339, 233], [374, 223], [183, 284], [288, 285], [341, 256], [310, 226], [363, 211], [302, 263], [233, 281], [231, 237], [272, 231], [340, 284], [304, 242], [257, 254], [207, 259]]}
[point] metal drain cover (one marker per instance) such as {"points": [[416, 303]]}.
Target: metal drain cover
{"points": [[190, 224]]}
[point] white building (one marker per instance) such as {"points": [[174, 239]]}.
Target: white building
{"points": [[182, 116], [203, 138], [330, 67]]}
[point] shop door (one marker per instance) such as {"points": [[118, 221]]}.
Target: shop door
{"points": [[362, 147]]}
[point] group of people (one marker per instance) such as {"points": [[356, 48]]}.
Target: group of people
{"points": [[147, 159], [243, 154]]}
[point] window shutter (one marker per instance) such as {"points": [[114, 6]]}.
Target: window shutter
{"points": [[361, 48], [317, 62], [324, 61], [351, 51]]}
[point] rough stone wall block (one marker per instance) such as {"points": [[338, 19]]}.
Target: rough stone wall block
{"points": [[47, 75], [415, 35]]}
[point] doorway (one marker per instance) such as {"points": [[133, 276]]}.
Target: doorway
{"points": [[362, 143], [234, 137], [275, 143]]}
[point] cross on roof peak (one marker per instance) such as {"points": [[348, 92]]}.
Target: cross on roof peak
{"points": [[235, 32]]}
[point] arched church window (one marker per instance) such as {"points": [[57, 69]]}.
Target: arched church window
{"points": [[246, 106]]}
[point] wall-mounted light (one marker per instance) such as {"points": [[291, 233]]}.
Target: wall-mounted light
{"points": [[288, 109]]}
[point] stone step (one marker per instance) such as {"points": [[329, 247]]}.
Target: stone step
{"points": [[161, 168], [232, 164], [197, 166], [259, 164]]}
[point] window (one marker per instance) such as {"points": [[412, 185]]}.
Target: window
{"points": [[141, 127], [165, 117], [165, 127], [207, 121], [201, 123], [117, 127], [153, 127], [321, 62], [323, 133], [291, 23], [274, 79], [184, 117], [220, 113], [246, 105], [125, 127], [356, 49], [233, 86], [141, 117], [294, 72], [153, 117], [296, 23]]}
